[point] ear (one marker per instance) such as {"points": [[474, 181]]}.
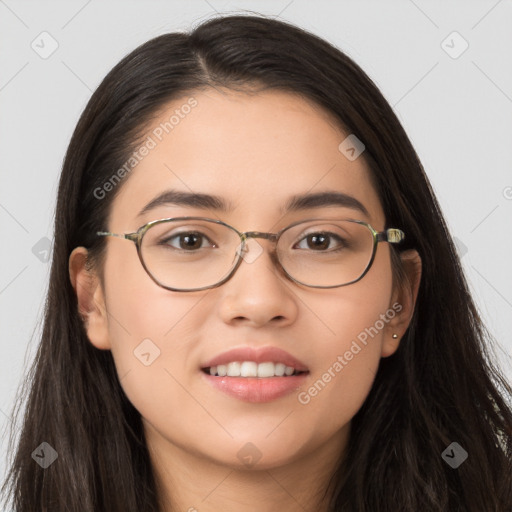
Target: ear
{"points": [[402, 302], [90, 296]]}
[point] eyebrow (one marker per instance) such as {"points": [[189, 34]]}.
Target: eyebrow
{"points": [[294, 203]]}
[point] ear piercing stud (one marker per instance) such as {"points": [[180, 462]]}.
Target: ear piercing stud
{"points": [[395, 336]]}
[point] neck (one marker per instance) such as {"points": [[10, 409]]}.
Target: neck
{"points": [[190, 482]]}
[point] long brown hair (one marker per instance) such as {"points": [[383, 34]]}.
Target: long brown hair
{"points": [[440, 386]]}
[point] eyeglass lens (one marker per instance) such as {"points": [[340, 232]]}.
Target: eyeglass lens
{"points": [[188, 254]]}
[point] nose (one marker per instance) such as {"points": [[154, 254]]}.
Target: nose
{"points": [[259, 291]]}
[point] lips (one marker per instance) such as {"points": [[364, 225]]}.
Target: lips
{"points": [[264, 388]]}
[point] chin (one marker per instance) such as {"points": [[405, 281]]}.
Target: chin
{"points": [[256, 455]]}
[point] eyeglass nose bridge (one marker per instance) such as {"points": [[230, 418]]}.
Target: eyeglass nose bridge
{"points": [[274, 237], [258, 234]]}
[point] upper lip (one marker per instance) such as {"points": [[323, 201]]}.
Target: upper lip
{"points": [[258, 355]]}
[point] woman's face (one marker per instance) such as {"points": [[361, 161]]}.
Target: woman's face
{"points": [[255, 152]]}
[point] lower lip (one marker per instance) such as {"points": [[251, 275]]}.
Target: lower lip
{"points": [[254, 389]]}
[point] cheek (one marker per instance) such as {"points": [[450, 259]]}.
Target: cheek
{"points": [[149, 331], [138, 308], [154, 358], [349, 351], [340, 386]]}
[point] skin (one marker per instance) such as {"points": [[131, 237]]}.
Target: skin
{"points": [[255, 151]]}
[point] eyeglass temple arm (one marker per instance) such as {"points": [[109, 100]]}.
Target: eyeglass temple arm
{"points": [[391, 235], [129, 236]]}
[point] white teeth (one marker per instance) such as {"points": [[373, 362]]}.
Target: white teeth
{"points": [[266, 370], [252, 369], [279, 369], [233, 369], [248, 369]]}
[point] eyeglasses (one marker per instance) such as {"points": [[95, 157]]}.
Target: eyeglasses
{"points": [[196, 253]]}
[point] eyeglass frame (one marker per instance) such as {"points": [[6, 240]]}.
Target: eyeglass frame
{"points": [[390, 235]]}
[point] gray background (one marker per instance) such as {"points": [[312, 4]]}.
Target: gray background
{"points": [[457, 110]]}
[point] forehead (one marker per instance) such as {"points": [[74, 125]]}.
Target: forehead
{"points": [[253, 150]]}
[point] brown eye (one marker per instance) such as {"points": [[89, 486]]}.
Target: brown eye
{"points": [[187, 241], [321, 241]]}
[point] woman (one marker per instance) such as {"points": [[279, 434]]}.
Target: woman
{"points": [[292, 331]]}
